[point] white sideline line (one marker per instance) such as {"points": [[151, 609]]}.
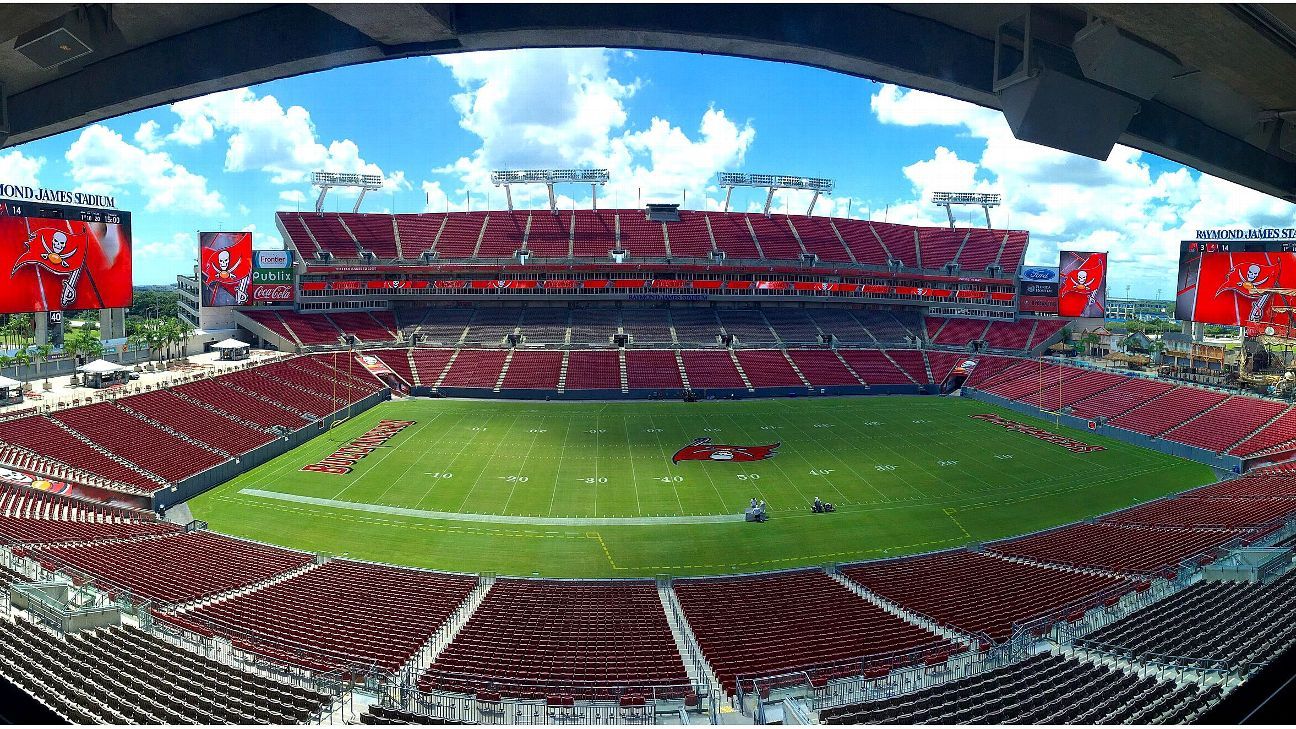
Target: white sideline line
{"points": [[497, 518]]}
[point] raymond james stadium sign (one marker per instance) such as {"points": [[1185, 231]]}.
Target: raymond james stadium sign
{"points": [[44, 194], [1247, 234]]}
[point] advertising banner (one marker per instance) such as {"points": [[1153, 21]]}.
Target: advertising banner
{"points": [[273, 259], [271, 293], [272, 276], [1038, 281], [59, 258], [1082, 284], [1255, 289], [225, 267]]}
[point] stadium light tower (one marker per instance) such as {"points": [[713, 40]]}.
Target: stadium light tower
{"points": [[326, 180], [948, 200], [549, 178], [730, 180]]}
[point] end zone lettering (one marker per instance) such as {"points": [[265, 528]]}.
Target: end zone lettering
{"points": [[344, 458], [1070, 444]]}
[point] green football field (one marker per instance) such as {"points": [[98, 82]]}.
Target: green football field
{"points": [[590, 490]]}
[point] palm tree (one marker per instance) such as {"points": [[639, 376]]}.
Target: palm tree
{"points": [[1088, 340], [41, 356]]}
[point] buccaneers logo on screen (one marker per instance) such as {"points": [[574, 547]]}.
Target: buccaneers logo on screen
{"points": [[702, 449], [59, 252], [1256, 282], [1081, 290], [226, 268]]}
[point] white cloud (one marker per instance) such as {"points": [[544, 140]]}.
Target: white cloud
{"points": [[263, 241], [147, 135], [561, 108], [1119, 205], [292, 196], [180, 246], [103, 162], [264, 136], [17, 168]]}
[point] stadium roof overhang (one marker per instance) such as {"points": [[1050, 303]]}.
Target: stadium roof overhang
{"points": [[1228, 109]]}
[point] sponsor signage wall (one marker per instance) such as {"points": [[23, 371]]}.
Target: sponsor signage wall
{"points": [[225, 266], [1038, 281], [62, 257], [1232, 284], [1082, 284]]}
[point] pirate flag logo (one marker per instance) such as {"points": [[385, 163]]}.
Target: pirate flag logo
{"points": [[226, 269], [702, 449], [58, 252], [1081, 289], [1256, 282]]}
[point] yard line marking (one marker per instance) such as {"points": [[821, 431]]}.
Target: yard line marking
{"points": [[497, 518]]}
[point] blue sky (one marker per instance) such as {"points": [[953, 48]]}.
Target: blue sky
{"points": [[663, 123]]}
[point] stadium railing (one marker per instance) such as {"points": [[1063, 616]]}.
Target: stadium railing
{"points": [[616, 705]]}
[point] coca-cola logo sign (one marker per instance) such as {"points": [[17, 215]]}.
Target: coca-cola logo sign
{"points": [[272, 292]]}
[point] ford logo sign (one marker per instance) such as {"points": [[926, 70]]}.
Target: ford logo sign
{"points": [[1038, 274]]}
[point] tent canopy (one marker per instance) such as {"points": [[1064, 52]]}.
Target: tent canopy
{"points": [[5, 382], [230, 344], [100, 367]]}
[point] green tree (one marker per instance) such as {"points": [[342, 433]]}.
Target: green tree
{"points": [[5, 362], [1088, 341], [41, 355]]}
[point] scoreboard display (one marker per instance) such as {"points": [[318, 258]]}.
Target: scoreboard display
{"points": [[1251, 284], [63, 257]]}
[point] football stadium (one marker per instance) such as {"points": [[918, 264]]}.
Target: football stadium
{"points": [[596, 463]]}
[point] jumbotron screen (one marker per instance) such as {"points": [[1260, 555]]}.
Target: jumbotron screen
{"points": [[1082, 284], [1250, 285], [226, 263], [63, 257]]}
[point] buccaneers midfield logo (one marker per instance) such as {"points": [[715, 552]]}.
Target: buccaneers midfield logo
{"points": [[703, 450]]}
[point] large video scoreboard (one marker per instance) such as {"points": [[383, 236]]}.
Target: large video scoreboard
{"points": [[1244, 283], [57, 257]]}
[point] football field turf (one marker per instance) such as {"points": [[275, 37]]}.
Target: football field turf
{"points": [[590, 490]]}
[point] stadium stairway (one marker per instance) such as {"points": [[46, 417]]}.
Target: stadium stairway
{"points": [[162, 427], [848, 367], [427, 654], [905, 614], [695, 662], [805, 380], [128, 464], [184, 607], [738, 365]]}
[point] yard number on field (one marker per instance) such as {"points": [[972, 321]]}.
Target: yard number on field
{"points": [[515, 479], [820, 471]]}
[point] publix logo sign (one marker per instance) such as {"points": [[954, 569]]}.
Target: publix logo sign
{"points": [[272, 276]]}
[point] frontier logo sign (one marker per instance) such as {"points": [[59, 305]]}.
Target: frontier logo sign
{"points": [[344, 459]]}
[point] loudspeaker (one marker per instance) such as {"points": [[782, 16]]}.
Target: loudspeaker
{"points": [[1108, 55], [1057, 110]]}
